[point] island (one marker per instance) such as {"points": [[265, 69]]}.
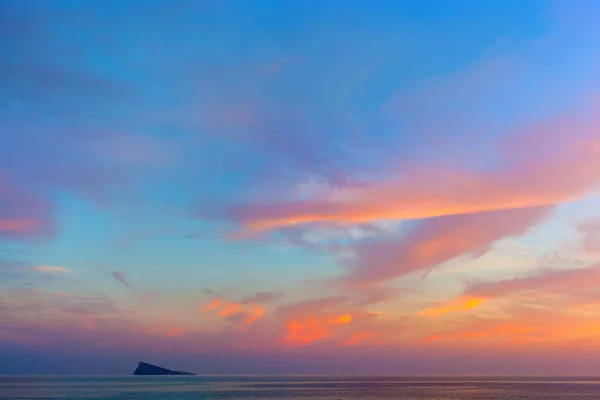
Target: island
{"points": [[149, 369]]}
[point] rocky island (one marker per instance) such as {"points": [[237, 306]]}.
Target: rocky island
{"points": [[149, 369]]}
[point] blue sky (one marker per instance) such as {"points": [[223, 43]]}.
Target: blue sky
{"points": [[287, 176]]}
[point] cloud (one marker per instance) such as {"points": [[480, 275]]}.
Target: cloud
{"points": [[242, 315], [42, 319], [213, 305], [22, 214], [525, 324], [120, 277], [558, 280], [174, 332], [17, 225], [436, 241], [312, 133], [59, 115], [48, 269], [563, 282], [570, 153], [361, 338], [463, 303], [338, 320], [71, 136], [14, 274], [50, 305], [320, 326]]}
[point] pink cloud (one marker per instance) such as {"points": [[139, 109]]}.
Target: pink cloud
{"points": [[438, 240], [570, 154], [562, 282], [18, 225], [23, 213]]}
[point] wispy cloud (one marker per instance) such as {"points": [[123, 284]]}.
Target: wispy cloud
{"points": [[436, 241], [570, 282], [120, 277], [425, 192], [48, 269]]}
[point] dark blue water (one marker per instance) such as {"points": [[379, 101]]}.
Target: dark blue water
{"points": [[299, 387]]}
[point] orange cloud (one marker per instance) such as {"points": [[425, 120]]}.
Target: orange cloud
{"points": [[317, 327], [213, 305], [230, 309], [463, 303], [342, 319], [241, 314], [174, 332], [360, 337], [252, 314], [336, 319], [525, 325], [306, 332], [569, 281]]}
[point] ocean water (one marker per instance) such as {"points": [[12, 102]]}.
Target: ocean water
{"points": [[299, 387]]}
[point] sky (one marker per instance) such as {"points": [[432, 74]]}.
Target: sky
{"points": [[288, 186]]}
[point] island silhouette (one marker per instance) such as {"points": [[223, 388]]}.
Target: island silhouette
{"points": [[149, 369]]}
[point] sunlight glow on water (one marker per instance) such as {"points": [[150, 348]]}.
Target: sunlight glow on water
{"points": [[299, 387]]}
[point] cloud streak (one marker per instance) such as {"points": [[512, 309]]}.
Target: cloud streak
{"points": [[570, 154], [563, 282], [436, 241], [120, 277], [49, 269]]}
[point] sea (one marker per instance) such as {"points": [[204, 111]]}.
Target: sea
{"points": [[300, 387]]}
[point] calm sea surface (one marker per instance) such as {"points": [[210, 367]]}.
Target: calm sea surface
{"points": [[299, 387]]}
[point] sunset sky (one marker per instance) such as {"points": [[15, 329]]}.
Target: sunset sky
{"points": [[300, 186]]}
